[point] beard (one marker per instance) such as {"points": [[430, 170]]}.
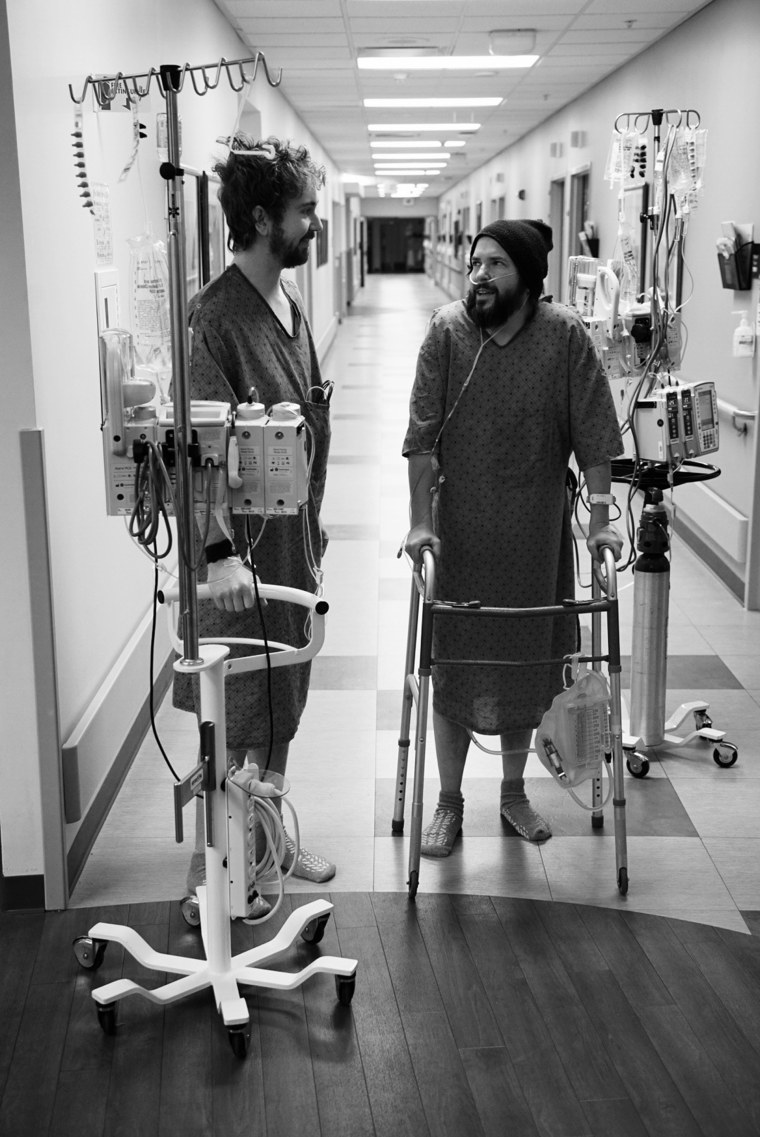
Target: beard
{"points": [[494, 311], [291, 254]]}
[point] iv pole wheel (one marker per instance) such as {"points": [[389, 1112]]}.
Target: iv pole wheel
{"points": [[725, 754], [107, 1018], [315, 930], [89, 953], [239, 1038], [190, 910], [638, 765], [345, 985]]}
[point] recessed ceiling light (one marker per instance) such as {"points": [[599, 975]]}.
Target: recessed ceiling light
{"points": [[451, 143], [448, 127], [444, 62], [412, 156], [431, 143], [486, 101]]}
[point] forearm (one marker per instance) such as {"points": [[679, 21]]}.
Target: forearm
{"points": [[422, 478], [601, 533]]}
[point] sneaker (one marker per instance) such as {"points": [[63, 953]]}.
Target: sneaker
{"points": [[524, 820], [439, 836], [309, 866]]}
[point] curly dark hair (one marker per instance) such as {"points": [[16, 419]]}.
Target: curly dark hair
{"points": [[270, 174]]}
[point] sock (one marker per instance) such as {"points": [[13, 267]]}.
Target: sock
{"points": [[517, 810], [453, 801]]}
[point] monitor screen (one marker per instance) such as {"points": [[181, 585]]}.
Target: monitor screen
{"points": [[705, 402]]}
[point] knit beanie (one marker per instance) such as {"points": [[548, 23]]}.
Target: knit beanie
{"points": [[525, 245]]}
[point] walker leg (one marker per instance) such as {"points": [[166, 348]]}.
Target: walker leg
{"points": [[397, 823]]}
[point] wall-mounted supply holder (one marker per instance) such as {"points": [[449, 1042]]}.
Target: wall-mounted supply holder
{"points": [[739, 268]]}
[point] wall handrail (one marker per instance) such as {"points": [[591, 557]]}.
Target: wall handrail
{"points": [[728, 410]]}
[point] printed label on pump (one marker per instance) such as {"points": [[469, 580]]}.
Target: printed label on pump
{"points": [[249, 496]]}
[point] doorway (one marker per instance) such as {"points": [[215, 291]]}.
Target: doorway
{"points": [[395, 244]]}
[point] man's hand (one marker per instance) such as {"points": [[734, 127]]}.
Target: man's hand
{"points": [[420, 537], [604, 535], [231, 585]]}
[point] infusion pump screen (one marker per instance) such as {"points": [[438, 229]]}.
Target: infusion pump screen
{"points": [[706, 416]]}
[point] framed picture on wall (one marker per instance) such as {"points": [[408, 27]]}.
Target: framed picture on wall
{"points": [[205, 230], [322, 243]]}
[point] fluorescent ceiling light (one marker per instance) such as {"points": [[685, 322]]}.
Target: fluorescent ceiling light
{"points": [[444, 62], [450, 144], [411, 156], [486, 101], [449, 127], [412, 144], [407, 168]]}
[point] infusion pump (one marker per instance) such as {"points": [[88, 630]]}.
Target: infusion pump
{"points": [[252, 461], [677, 421]]}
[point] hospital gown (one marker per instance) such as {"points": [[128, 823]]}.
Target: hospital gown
{"points": [[502, 508], [238, 343]]}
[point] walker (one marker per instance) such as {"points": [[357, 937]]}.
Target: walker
{"points": [[417, 691]]}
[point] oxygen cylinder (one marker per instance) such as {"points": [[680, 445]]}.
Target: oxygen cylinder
{"points": [[649, 650]]}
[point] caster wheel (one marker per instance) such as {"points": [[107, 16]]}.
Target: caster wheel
{"points": [[623, 881], [725, 754], [597, 821], [397, 827], [345, 985], [107, 1017], [638, 766], [238, 1041], [414, 880], [89, 953], [191, 912], [315, 929]]}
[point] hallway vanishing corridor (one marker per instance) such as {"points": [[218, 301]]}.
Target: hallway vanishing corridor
{"points": [[483, 1009], [693, 842]]}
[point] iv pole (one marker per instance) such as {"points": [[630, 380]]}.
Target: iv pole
{"points": [[220, 970], [647, 727]]}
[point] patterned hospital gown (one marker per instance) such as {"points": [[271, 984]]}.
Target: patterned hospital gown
{"points": [[238, 343], [502, 509]]}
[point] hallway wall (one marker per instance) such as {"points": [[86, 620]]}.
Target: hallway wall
{"points": [[708, 64]]}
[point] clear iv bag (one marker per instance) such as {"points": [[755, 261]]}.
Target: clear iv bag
{"points": [[150, 314]]}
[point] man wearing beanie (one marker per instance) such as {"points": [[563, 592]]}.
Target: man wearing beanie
{"points": [[506, 391]]}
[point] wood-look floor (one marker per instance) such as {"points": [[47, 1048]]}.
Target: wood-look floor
{"points": [[472, 1015]]}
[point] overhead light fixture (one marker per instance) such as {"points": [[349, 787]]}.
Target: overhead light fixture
{"points": [[451, 143], [516, 42], [418, 169], [397, 127], [444, 62], [412, 156], [411, 143], [486, 101]]}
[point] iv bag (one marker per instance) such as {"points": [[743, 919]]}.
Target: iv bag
{"points": [[149, 308]]}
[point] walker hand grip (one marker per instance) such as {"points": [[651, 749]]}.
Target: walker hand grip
{"points": [[608, 578]]}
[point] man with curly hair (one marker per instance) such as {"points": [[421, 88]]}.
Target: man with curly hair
{"points": [[250, 334]]}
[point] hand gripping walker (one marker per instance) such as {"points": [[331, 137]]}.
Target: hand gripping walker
{"points": [[220, 970]]}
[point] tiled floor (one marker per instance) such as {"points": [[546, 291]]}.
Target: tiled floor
{"points": [[693, 836]]}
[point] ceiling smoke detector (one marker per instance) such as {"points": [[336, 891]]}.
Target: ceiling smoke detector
{"points": [[511, 41]]}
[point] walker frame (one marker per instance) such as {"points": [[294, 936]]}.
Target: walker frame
{"points": [[604, 601]]}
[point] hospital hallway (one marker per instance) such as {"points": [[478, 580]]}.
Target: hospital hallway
{"points": [[520, 994]]}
